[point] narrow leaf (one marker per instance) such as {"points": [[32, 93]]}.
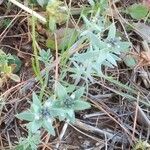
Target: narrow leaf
{"points": [[36, 100], [112, 31], [34, 126], [14, 77], [26, 115], [81, 105], [61, 91], [78, 93], [49, 127]]}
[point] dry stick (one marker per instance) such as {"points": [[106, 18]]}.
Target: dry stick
{"points": [[120, 18], [62, 133], [92, 129], [135, 118], [30, 11], [142, 118], [92, 137], [42, 143]]}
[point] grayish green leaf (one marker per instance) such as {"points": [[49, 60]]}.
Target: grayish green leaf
{"points": [[26, 115]]}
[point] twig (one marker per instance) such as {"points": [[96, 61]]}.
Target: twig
{"points": [[100, 132], [62, 134], [5, 31], [135, 118], [142, 118], [92, 137], [30, 11]]}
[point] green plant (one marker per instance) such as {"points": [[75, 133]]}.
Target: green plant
{"points": [[103, 49], [64, 107], [8, 65], [67, 103], [45, 56], [29, 143]]}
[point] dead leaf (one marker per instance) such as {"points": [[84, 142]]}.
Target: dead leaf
{"points": [[143, 30]]}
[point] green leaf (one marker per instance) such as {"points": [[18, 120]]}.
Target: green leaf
{"points": [[112, 31], [70, 115], [47, 124], [42, 2], [91, 2], [56, 104], [111, 59], [78, 93], [36, 100], [26, 115], [138, 11], [50, 43], [61, 91], [60, 113], [15, 62], [69, 38], [130, 61], [81, 105], [34, 126], [14, 77], [45, 56], [29, 143], [36, 109], [122, 47], [52, 23]]}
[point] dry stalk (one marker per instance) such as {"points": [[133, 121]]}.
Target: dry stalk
{"points": [[28, 10]]}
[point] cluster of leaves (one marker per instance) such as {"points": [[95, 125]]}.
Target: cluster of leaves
{"points": [[100, 51], [9, 64], [64, 107]]}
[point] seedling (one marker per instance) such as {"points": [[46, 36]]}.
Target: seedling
{"points": [[29, 143], [64, 107]]}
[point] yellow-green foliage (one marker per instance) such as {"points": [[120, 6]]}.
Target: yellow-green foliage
{"points": [[141, 145], [56, 13], [6, 70]]}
